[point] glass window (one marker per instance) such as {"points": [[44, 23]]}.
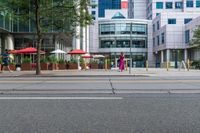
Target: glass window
{"points": [[172, 21], [139, 29], [189, 3], [158, 40], [154, 29], [198, 3], [153, 41], [158, 25], [163, 38], [159, 5], [139, 43], [187, 20], [178, 5], [107, 29], [122, 28], [169, 5], [187, 36], [157, 14], [123, 43], [93, 12]]}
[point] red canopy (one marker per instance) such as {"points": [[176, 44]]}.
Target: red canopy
{"points": [[87, 56], [29, 50], [77, 51]]}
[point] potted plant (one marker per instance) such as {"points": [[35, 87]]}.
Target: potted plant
{"points": [[26, 64], [12, 66], [94, 64], [61, 64], [53, 63], [72, 64], [44, 63]]}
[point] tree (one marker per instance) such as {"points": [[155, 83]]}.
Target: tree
{"points": [[48, 16], [195, 41]]}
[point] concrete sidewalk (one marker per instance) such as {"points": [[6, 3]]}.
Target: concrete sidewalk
{"points": [[152, 72]]}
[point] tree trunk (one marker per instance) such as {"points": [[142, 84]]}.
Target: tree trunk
{"points": [[39, 37]]}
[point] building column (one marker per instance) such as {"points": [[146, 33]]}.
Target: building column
{"points": [[185, 55], [162, 58], [87, 38], [168, 55], [9, 42], [77, 38], [84, 38]]}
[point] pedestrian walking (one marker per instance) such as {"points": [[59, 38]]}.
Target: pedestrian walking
{"points": [[5, 60], [121, 62]]}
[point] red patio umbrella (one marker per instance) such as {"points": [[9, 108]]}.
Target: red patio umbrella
{"points": [[87, 56], [13, 52], [77, 51], [29, 50]]}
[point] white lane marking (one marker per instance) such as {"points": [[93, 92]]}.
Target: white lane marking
{"points": [[61, 98]]}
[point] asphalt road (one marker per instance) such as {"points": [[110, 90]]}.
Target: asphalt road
{"points": [[99, 105], [107, 113], [100, 85]]}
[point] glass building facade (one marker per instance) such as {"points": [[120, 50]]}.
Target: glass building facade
{"points": [[121, 37], [23, 32], [108, 4]]}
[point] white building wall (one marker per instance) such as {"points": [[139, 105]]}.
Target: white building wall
{"points": [[94, 37], [137, 9]]}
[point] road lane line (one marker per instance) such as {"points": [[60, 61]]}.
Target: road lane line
{"points": [[106, 81], [61, 98]]}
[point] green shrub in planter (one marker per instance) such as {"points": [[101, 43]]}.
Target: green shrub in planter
{"points": [[61, 61], [26, 60], [53, 59], [196, 64], [44, 60], [73, 60]]}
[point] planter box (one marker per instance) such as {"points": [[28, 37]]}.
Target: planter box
{"points": [[53, 66], [26, 66], [73, 66], [44, 66], [62, 66], [12, 67], [94, 66]]}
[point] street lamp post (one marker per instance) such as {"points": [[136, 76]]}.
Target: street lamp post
{"points": [[130, 57]]}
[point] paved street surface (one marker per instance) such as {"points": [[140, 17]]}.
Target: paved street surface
{"points": [[136, 113], [100, 102]]}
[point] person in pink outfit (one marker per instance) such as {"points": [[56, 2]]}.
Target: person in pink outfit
{"points": [[121, 62]]}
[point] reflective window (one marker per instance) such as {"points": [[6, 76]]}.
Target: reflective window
{"points": [[189, 3], [122, 28], [107, 29], [169, 5], [139, 29], [159, 5], [163, 38], [123, 43], [187, 36], [187, 20], [158, 40], [178, 5], [172, 21], [197, 3], [158, 25], [139, 43]]}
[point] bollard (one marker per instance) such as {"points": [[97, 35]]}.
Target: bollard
{"points": [[85, 65], [106, 65], [147, 65], [188, 62], [126, 65], [167, 66]]}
